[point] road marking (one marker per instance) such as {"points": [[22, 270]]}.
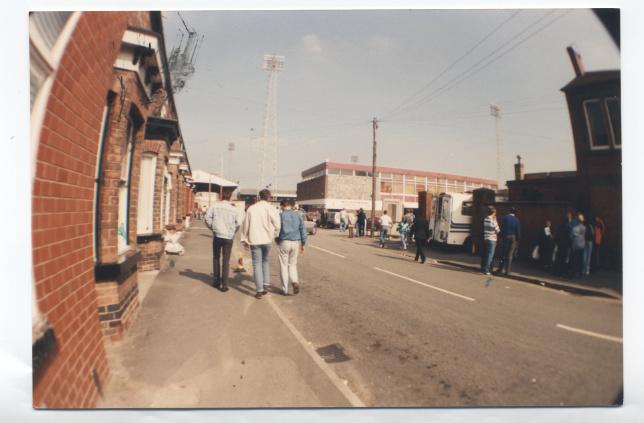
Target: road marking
{"points": [[339, 383], [326, 251], [426, 284], [589, 333]]}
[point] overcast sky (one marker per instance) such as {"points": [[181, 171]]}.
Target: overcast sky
{"points": [[419, 71]]}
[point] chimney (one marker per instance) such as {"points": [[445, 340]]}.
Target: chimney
{"points": [[575, 58], [519, 169]]}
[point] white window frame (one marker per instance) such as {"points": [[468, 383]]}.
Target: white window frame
{"points": [[124, 188], [589, 131], [47, 61], [147, 182], [610, 121], [97, 176]]}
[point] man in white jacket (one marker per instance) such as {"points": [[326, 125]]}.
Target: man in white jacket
{"points": [[261, 226]]}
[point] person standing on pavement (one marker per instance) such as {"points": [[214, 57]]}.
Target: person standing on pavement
{"points": [[598, 235], [545, 245], [588, 247], [490, 232], [562, 258], [351, 219], [290, 242], [578, 241], [344, 219], [362, 221], [261, 226], [420, 232], [510, 234], [385, 224], [223, 219]]}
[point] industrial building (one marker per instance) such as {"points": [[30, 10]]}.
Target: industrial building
{"points": [[333, 186]]}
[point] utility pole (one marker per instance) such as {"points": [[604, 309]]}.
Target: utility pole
{"points": [[496, 112], [374, 123]]}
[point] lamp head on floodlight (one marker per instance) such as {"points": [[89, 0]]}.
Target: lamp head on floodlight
{"points": [[273, 62]]}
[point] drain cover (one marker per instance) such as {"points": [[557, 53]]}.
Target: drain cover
{"points": [[333, 353]]}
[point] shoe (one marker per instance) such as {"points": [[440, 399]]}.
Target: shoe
{"points": [[264, 292], [488, 274], [258, 295], [284, 293], [422, 262], [296, 288], [224, 288]]}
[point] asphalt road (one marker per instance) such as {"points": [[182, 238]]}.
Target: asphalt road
{"points": [[406, 334]]}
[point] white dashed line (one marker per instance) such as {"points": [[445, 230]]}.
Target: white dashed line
{"points": [[326, 251], [426, 284], [340, 384], [589, 333]]}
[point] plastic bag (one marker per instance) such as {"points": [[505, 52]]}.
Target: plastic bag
{"points": [[535, 253]]}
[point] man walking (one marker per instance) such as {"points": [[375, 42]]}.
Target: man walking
{"points": [[510, 234], [420, 232], [344, 219], [385, 224], [362, 220], [291, 240], [490, 231], [261, 226], [223, 219]]}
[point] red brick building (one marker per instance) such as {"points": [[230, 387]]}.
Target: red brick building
{"points": [[109, 172]]}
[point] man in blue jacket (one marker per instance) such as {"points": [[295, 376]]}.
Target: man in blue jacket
{"points": [[510, 234], [291, 240]]}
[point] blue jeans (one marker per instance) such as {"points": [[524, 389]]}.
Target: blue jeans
{"points": [[261, 271], [588, 252], [343, 225], [490, 246], [403, 240], [384, 231]]}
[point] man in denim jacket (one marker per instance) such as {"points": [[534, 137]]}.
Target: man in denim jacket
{"points": [[290, 241]]}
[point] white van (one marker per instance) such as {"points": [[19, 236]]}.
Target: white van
{"points": [[452, 219]]}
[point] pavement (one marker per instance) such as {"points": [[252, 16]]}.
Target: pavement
{"points": [[192, 345], [602, 283], [370, 327]]}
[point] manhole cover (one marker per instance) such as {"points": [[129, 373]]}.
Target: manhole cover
{"points": [[333, 353]]}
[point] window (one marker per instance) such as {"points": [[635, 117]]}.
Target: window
{"points": [[398, 188], [420, 187], [385, 186], [145, 210], [615, 119], [597, 130], [124, 188], [467, 208], [384, 175], [410, 188], [410, 178], [98, 174], [361, 173], [398, 177], [334, 171]]}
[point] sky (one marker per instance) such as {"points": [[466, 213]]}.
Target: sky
{"points": [[429, 76]]}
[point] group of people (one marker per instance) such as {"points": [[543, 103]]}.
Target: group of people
{"points": [[575, 247], [509, 232], [351, 221], [261, 225], [571, 251]]}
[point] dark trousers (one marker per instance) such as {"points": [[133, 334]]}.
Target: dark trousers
{"points": [[562, 260], [361, 226], [420, 245], [221, 249], [509, 247]]}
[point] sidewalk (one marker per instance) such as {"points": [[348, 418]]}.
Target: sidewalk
{"points": [[192, 345], [603, 283]]}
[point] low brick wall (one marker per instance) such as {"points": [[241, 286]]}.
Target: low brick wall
{"points": [[117, 305]]}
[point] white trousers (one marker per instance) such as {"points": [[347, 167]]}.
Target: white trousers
{"points": [[288, 252]]}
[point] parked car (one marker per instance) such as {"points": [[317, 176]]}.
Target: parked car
{"points": [[309, 223], [332, 220]]}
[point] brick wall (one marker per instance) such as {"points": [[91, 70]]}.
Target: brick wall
{"points": [[312, 189], [62, 212]]}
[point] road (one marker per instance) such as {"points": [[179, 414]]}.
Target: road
{"points": [[407, 334]]}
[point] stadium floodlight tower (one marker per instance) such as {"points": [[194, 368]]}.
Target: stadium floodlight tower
{"points": [[273, 65]]}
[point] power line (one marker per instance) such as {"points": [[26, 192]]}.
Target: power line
{"points": [[473, 70], [451, 65]]}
